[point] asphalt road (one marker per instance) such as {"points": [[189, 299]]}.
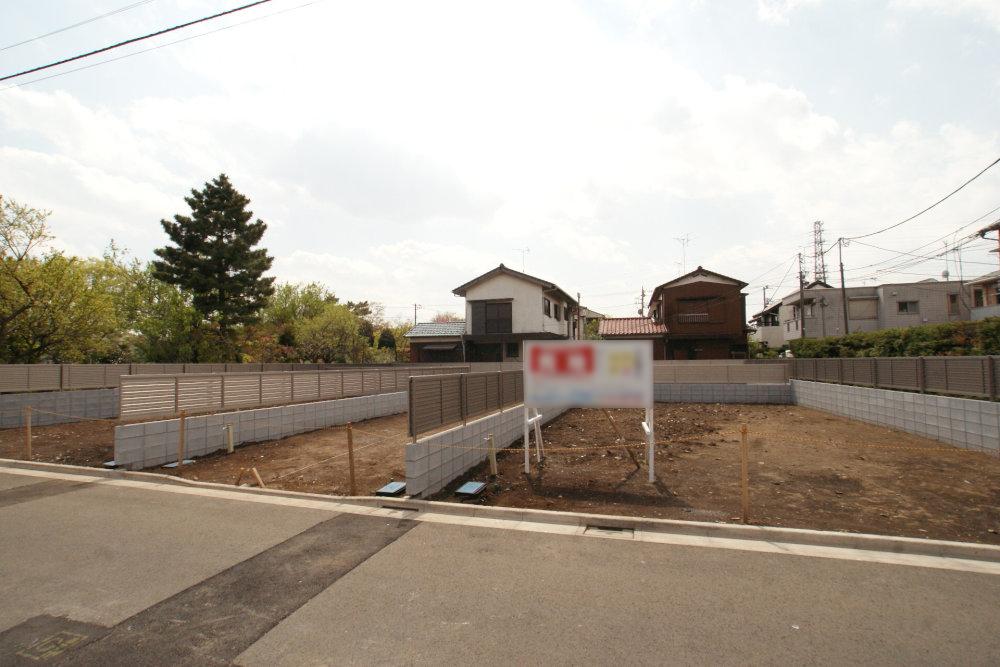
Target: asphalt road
{"points": [[97, 571]]}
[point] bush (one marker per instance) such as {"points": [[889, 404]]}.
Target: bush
{"points": [[929, 340]]}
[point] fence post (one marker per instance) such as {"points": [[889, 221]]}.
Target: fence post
{"points": [[27, 433], [379, 371], [463, 387], [441, 399], [409, 411], [180, 439], [493, 455], [291, 382], [744, 474], [840, 370], [500, 390], [991, 384], [177, 392], [319, 384], [920, 375], [874, 372], [222, 391], [350, 457], [260, 389]]}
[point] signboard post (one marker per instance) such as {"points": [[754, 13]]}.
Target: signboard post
{"points": [[590, 374]]}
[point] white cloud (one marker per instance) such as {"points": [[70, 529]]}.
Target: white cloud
{"points": [[987, 11], [777, 12], [395, 159]]}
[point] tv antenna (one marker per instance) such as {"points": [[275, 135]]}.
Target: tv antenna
{"points": [[523, 251]]}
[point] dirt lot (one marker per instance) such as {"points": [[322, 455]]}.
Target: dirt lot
{"points": [[317, 461], [808, 469], [81, 443], [378, 446]]}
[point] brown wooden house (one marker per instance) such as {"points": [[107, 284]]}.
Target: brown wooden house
{"points": [[705, 316]]}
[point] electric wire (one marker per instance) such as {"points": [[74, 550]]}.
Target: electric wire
{"points": [[77, 24]]}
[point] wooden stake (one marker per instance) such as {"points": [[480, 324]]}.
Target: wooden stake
{"points": [[239, 478], [744, 474], [256, 475], [180, 440], [350, 457], [621, 437], [27, 433], [493, 455]]}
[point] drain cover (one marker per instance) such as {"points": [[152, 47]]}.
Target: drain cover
{"points": [[470, 489], [392, 489]]}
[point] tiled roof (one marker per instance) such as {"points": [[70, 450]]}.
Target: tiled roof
{"points": [[430, 329], [630, 326]]}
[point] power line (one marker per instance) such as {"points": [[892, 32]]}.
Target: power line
{"points": [[78, 24], [160, 46], [916, 215], [134, 40]]}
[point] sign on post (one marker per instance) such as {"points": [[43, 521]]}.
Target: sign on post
{"points": [[589, 374]]}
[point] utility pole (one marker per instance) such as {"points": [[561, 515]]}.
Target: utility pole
{"points": [[642, 301], [843, 287], [415, 306], [579, 318], [765, 288], [684, 241], [802, 299]]}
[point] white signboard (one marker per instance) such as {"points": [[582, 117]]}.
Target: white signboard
{"points": [[588, 373]]}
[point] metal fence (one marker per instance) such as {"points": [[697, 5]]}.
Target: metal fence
{"points": [[438, 401], [56, 377], [155, 395], [720, 371], [961, 376]]}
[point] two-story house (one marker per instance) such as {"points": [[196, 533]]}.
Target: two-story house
{"points": [[503, 308], [705, 316]]}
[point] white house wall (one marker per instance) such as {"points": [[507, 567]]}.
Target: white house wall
{"points": [[526, 310]]}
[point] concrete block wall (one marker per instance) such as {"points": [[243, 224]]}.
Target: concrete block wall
{"points": [[86, 403], [435, 460], [155, 443], [722, 393], [964, 422]]}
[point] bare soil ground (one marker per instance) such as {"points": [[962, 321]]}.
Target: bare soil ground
{"points": [[89, 443], [808, 469], [314, 462]]}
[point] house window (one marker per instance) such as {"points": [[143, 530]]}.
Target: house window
{"points": [[546, 307], [558, 314], [498, 317], [862, 309], [808, 310], [908, 307], [953, 304], [788, 326], [513, 350], [977, 298], [693, 310]]}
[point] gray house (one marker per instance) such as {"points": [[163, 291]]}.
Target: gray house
{"points": [[869, 308]]}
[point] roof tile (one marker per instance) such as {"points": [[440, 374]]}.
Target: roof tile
{"points": [[631, 326]]}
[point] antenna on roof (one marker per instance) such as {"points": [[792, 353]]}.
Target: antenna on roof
{"points": [[523, 252], [684, 241]]}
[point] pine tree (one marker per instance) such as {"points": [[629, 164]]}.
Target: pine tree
{"points": [[213, 257]]}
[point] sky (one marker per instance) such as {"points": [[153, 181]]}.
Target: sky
{"points": [[397, 150]]}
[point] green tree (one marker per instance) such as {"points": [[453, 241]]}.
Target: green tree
{"points": [[332, 336], [291, 303], [213, 257]]}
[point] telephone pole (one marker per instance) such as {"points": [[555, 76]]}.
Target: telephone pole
{"points": [[579, 318], [802, 299], [843, 287], [415, 306], [642, 301]]}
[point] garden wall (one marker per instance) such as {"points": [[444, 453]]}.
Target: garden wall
{"points": [[963, 422], [435, 460], [155, 443], [83, 403]]}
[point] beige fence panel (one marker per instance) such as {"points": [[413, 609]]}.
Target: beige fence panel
{"points": [[962, 376], [153, 395], [30, 377], [719, 371], [437, 401]]}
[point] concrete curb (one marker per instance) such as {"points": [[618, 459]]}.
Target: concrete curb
{"points": [[774, 535]]}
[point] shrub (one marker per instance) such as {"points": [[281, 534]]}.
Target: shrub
{"points": [[929, 340]]}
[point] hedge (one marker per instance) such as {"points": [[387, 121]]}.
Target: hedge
{"points": [[929, 340]]}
